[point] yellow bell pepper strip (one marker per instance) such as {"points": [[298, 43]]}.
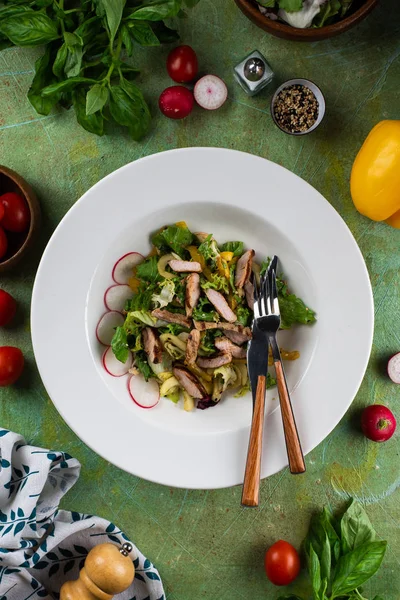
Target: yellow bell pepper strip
{"points": [[181, 224], [222, 267], [375, 177], [197, 257], [227, 256], [134, 284]]}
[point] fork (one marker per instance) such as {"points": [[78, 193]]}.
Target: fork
{"points": [[269, 321]]}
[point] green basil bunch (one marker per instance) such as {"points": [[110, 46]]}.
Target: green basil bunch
{"points": [[342, 554], [83, 63]]}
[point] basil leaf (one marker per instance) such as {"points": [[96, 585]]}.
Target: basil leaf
{"points": [[65, 86], [89, 29], [128, 108], [356, 528], [73, 64], [10, 11], [93, 123], [43, 77], [61, 57], [236, 247], [96, 98], [314, 568], [127, 40], [356, 567], [113, 10], [143, 34], [378, 598], [128, 71], [157, 10], [326, 560], [322, 526], [119, 344], [29, 29], [164, 33]]}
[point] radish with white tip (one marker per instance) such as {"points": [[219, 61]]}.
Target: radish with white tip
{"points": [[116, 297], [210, 92], [393, 368], [106, 326], [123, 268], [145, 394], [115, 367]]}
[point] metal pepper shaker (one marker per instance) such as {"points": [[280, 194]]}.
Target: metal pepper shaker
{"points": [[253, 73]]}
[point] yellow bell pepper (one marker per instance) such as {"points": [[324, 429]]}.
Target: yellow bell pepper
{"points": [[375, 177], [222, 267], [227, 256], [181, 224], [196, 256]]}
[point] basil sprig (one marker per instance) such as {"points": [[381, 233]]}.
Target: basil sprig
{"points": [[86, 47], [342, 554]]}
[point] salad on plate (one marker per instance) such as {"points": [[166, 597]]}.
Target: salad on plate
{"points": [[179, 320]]}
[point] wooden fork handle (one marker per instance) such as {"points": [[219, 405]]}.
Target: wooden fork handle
{"points": [[251, 484], [294, 451]]}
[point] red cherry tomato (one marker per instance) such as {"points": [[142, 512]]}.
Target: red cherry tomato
{"points": [[3, 243], [16, 212], [182, 65], [176, 102], [11, 365], [8, 306], [2, 211], [282, 563]]}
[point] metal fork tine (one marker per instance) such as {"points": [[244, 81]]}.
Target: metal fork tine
{"points": [[267, 298], [275, 302]]}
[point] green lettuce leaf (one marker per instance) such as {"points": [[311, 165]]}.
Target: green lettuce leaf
{"points": [[291, 5], [238, 247], [293, 310], [148, 271], [328, 10], [204, 311], [174, 237], [244, 315], [142, 365], [218, 282], [119, 344]]}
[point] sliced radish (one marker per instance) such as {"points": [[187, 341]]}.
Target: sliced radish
{"points": [[122, 270], [116, 297], [210, 92], [106, 326], [393, 368], [115, 367], [145, 394]]}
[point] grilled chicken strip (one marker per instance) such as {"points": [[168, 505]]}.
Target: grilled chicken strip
{"points": [[170, 317], [189, 382], [192, 293], [249, 291], [213, 363], [192, 347], [225, 345], [231, 327], [243, 268], [185, 266], [239, 337], [152, 345], [221, 305]]}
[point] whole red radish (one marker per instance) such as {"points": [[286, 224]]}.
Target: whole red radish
{"points": [[8, 307], [378, 423], [16, 212], [11, 365], [176, 102], [182, 65], [3, 243]]}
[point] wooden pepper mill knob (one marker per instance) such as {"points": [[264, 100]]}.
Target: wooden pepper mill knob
{"points": [[108, 570]]}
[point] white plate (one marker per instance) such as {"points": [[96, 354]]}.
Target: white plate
{"points": [[234, 196]]}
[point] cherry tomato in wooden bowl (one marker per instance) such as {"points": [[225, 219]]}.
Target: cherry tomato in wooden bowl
{"points": [[11, 365], [282, 563], [16, 212], [8, 307]]}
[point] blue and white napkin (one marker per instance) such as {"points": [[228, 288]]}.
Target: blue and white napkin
{"points": [[41, 546]]}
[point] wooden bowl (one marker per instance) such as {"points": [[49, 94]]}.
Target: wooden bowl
{"points": [[20, 244], [359, 10]]}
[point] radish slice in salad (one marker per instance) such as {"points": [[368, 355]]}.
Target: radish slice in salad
{"points": [[113, 366], [210, 92], [122, 270], [145, 394], [116, 297], [393, 368], [106, 326]]}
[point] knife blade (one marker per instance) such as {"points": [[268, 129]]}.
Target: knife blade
{"points": [[257, 358]]}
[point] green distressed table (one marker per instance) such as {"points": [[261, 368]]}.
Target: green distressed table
{"points": [[204, 543]]}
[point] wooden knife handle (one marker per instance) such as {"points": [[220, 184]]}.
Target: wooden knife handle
{"points": [[251, 484], [293, 446]]}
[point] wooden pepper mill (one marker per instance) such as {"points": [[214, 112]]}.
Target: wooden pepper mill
{"points": [[108, 570]]}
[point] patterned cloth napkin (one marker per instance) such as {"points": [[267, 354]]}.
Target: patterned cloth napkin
{"points": [[41, 546]]}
